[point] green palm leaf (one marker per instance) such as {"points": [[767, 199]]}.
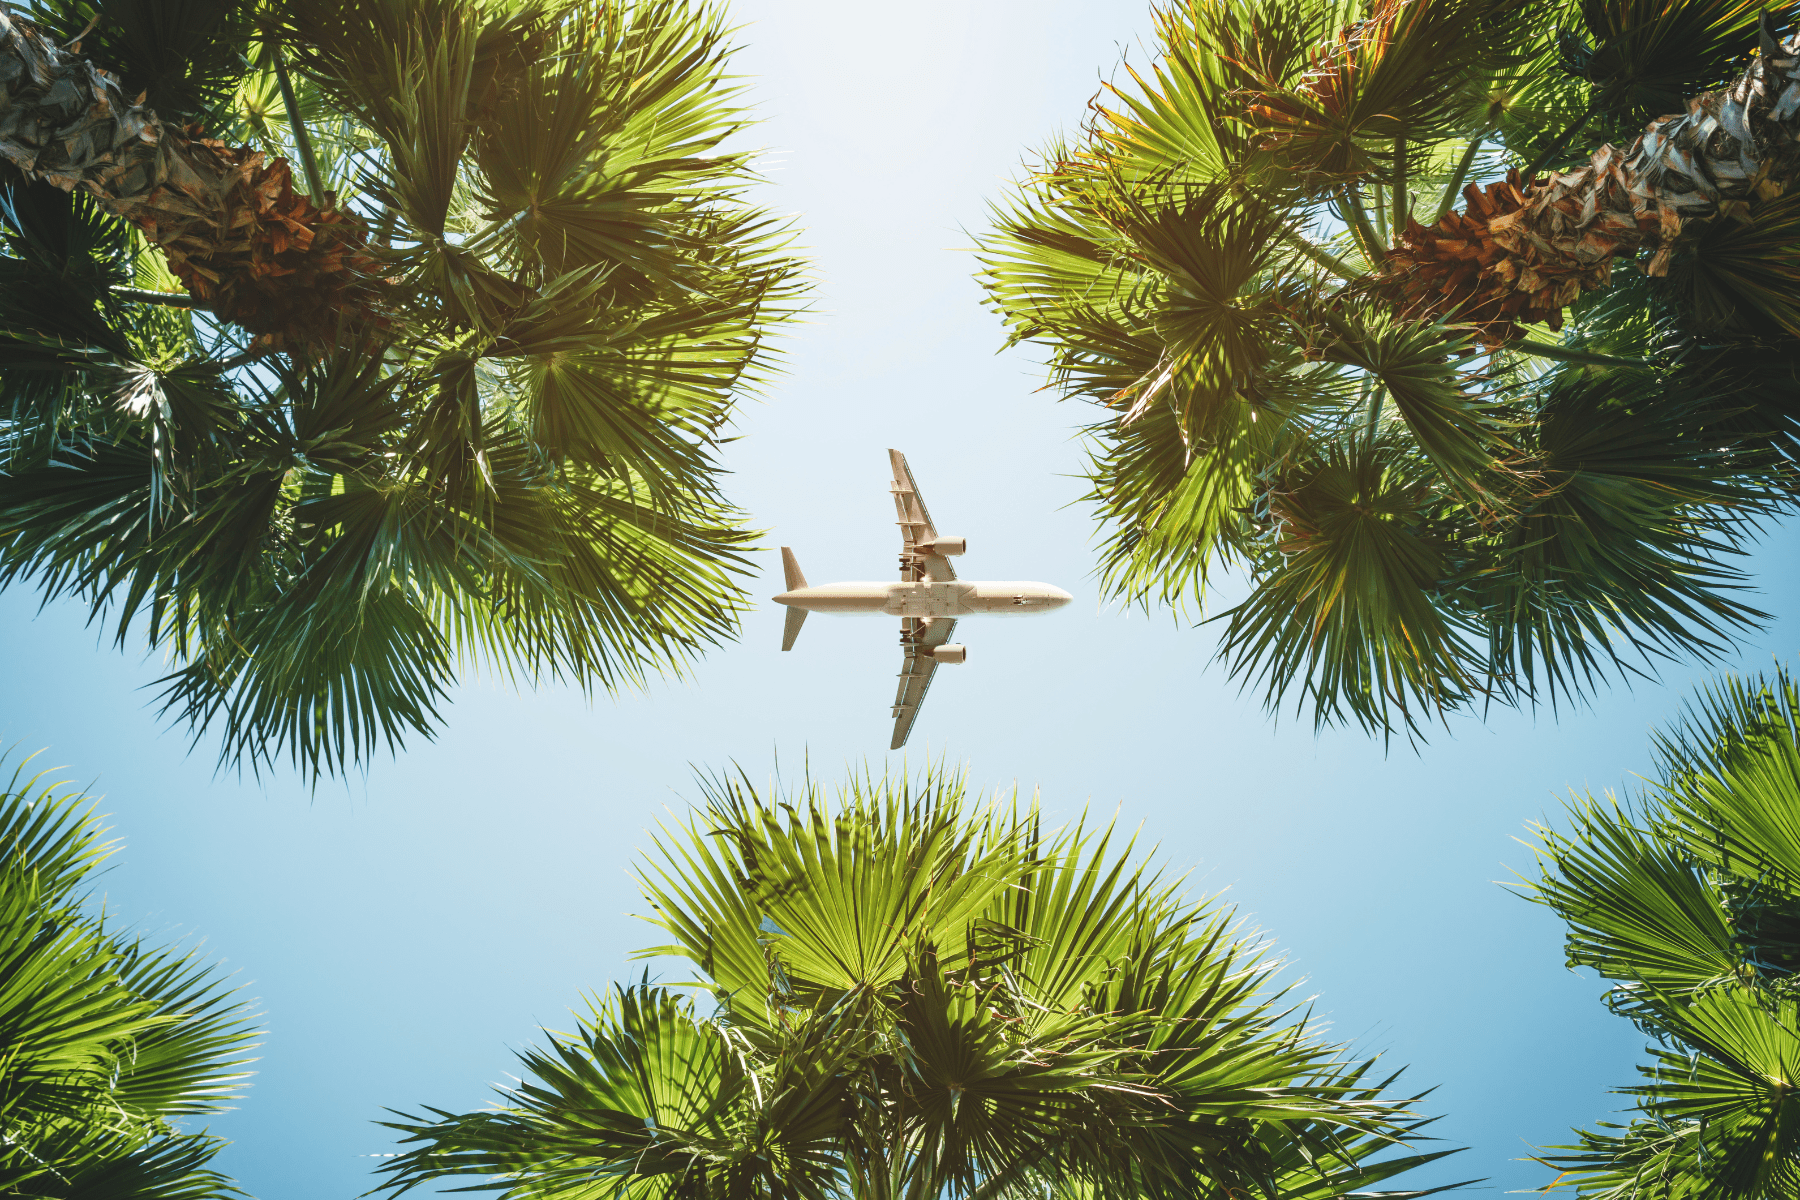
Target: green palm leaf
{"points": [[106, 1041], [1637, 908], [922, 994], [1234, 257], [1690, 902], [497, 447]]}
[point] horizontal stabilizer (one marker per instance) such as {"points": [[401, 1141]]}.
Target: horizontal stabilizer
{"points": [[796, 618], [790, 566]]}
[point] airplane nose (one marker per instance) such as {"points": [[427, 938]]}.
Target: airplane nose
{"points": [[1057, 597], [785, 598]]}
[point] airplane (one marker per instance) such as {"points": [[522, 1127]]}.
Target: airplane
{"points": [[928, 599]]}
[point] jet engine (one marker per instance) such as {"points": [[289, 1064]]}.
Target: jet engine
{"points": [[950, 653], [946, 546]]}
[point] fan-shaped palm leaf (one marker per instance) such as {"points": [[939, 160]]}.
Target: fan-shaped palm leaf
{"points": [[921, 995], [1690, 902], [106, 1041], [498, 446], [1545, 529]]}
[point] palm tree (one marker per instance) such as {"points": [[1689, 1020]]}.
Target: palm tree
{"points": [[915, 995], [108, 1041], [1689, 900], [1495, 455], [459, 402]]}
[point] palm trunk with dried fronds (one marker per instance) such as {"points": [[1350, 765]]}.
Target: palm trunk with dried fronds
{"points": [[288, 267], [1521, 250]]}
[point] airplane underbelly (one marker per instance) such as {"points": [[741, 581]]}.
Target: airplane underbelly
{"points": [[1014, 598], [839, 598], [927, 600]]}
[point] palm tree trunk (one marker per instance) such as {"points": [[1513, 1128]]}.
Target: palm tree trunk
{"points": [[1522, 250], [231, 225]]}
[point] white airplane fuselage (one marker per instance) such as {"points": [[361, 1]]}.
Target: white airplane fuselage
{"points": [[953, 598], [928, 598]]}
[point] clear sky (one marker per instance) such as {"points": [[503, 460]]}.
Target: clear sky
{"points": [[406, 933]]}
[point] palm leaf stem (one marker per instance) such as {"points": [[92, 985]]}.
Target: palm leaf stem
{"points": [[1453, 187], [1378, 210], [1371, 398], [1323, 257], [384, 226], [146, 296], [1400, 193], [302, 139], [1569, 354], [1359, 220], [76, 41]]}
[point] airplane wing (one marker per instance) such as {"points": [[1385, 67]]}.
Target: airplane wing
{"points": [[915, 528], [917, 636]]}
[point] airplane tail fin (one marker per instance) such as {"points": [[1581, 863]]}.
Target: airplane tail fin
{"points": [[795, 619], [790, 566]]}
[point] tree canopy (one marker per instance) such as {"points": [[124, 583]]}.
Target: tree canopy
{"points": [[109, 1041], [457, 404], [1688, 900], [917, 994], [1374, 312]]}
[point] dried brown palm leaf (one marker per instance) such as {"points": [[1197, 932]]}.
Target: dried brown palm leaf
{"points": [[1521, 250], [1485, 265]]}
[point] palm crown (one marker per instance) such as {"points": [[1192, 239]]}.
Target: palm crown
{"points": [[459, 402], [1689, 901], [1493, 454], [918, 996], [109, 1041]]}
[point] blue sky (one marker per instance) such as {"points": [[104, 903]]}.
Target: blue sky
{"points": [[404, 934]]}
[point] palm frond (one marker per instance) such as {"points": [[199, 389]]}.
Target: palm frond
{"points": [[1638, 908], [1690, 901], [1627, 544], [108, 1040], [1248, 254], [1348, 616], [501, 452], [921, 993]]}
